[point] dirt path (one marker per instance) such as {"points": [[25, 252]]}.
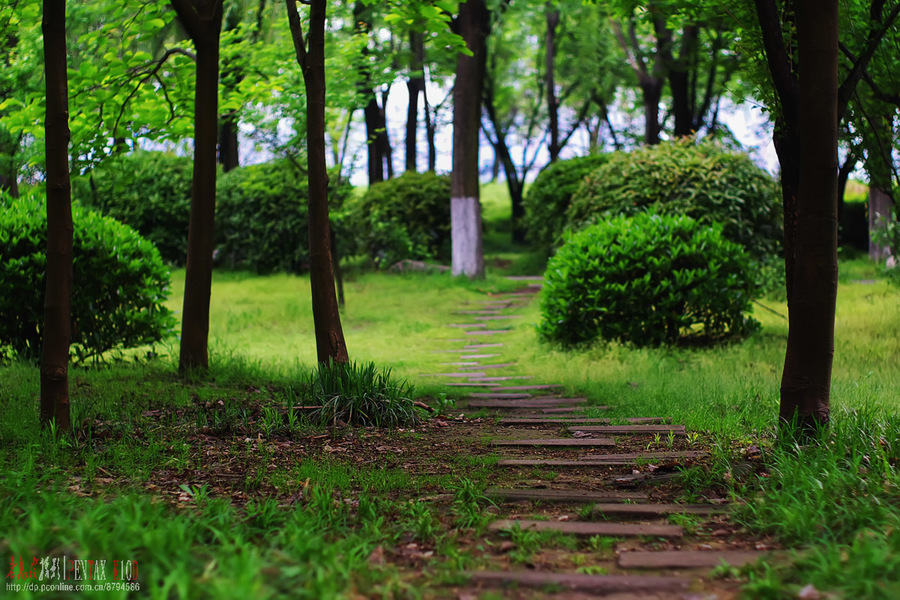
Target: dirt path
{"points": [[610, 483]]}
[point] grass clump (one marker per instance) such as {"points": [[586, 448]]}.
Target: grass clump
{"points": [[361, 394]]}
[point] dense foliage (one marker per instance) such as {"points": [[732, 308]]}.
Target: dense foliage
{"points": [[649, 280], [361, 394], [148, 191], [404, 217], [120, 282], [261, 217], [550, 195], [701, 180]]}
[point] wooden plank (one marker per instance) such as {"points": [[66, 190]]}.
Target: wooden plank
{"points": [[546, 386], [564, 495], [649, 455], [479, 346], [590, 528], [598, 584], [593, 460], [493, 366], [449, 374], [631, 429], [500, 395], [497, 317], [560, 442], [483, 311], [525, 403], [467, 325], [541, 462], [467, 356], [473, 385], [687, 559], [504, 378], [656, 510], [461, 364], [538, 421], [507, 302], [486, 331]]}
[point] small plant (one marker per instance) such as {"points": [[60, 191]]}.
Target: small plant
{"points": [[467, 504], [647, 280], [602, 544], [421, 521], [362, 395], [687, 522], [443, 405]]}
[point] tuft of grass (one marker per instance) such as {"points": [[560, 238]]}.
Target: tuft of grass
{"points": [[362, 394]]}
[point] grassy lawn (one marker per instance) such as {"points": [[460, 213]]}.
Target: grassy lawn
{"points": [[289, 513]]}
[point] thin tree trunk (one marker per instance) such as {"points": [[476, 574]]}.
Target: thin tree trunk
{"points": [[229, 157], [465, 207], [415, 85], [552, 101], [204, 29], [330, 345], [881, 211], [429, 132], [652, 91], [843, 176], [58, 294], [806, 380]]}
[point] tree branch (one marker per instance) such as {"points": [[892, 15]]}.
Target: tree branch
{"points": [[189, 17], [297, 31], [786, 85], [862, 62]]}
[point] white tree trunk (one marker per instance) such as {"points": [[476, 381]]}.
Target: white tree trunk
{"points": [[465, 223], [881, 210]]}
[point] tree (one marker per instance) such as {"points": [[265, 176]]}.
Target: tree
{"points": [[202, 19], [809, 105], [58, 295], [465, 207], [330, 345]]}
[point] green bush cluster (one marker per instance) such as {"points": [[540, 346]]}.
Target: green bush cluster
{"points": [[261, 217], [148, 191], [647, 280], [120, 282], [550, 195], [404, 217], [701, 180]]}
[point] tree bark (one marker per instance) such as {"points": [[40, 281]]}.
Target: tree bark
{"points": [[429, 132], [377, 144], [465, 207], [806, 380], [552, 16], [415, 85], [330, 345], [229, 156], [58, 294], [203, 22]]}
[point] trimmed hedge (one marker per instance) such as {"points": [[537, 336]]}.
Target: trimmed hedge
{"points": [[701, 180], [120, 283], [404, 217], [647, 280], [550, 195]]}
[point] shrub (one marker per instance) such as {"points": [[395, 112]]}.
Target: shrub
{"points": [[550, 195], [148, 191], [648, 280], [120, 282], [404, 217], [701, 180], [362, 395]]}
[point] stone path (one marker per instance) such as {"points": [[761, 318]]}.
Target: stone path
{"points": [[650, 554]]}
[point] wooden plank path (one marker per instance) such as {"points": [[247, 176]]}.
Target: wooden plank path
{"points": [[588, 447]]}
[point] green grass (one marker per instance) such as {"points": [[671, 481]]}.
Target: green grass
{"points": [[837, 502]]}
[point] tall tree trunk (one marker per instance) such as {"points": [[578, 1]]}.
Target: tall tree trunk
{"points": [[203, 25], [415, 85], [652, 93], [514, 182], [229, 157], [806, 380], [552, 15], [877, 136], [330, 345], [376, 128], [10, 183], [58, 294], [465, 206], [843, 176], [429, 132]]}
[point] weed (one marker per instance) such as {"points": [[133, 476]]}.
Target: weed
{"points": [[468, 501]]}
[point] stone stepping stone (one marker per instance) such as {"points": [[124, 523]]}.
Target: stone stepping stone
{"points": [[531, 387], [493, 366], [656, 510], [503, 378], [465, 356], [525, 277], [687, 559], [444, 352], [538, 421], [525, 403], [626, 458], [449, 374], [558, 442], [598, 584], [507, 302], [467, 325], [460, 364], [498, 317], [473, 385], [484, 311], [486, 331], [589, 528], [479, 346], [500, 395], [564, 495], [632, 429], [648, 455]]}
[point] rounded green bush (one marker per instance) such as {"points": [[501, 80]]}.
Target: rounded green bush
{"points": [[550, 195], [148, 191], [404, 217], [120, 283], [647, 280], [701, 180]]}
